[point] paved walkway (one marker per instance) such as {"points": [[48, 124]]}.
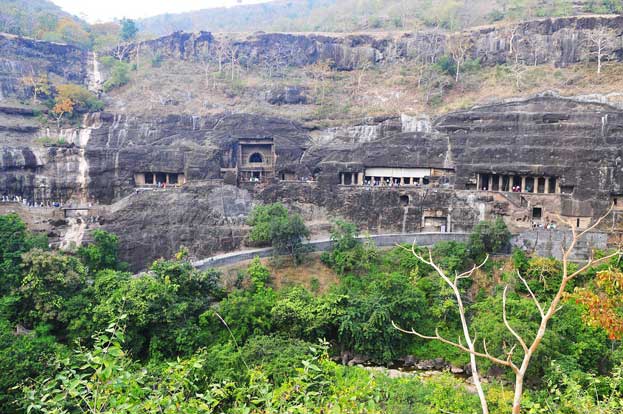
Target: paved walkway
{"points": [[381, 240]]}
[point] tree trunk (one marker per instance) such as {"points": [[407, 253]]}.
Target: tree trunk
{"points": [[518, 394]]}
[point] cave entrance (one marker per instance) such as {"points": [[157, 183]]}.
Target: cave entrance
{"points": [[404, 200], [540, 185], [149, 178], [347, 179], [256, 158], [484, 182], [529, 185], [173, 178], [505, 183], [537, 213], [495, 184], [161, 178]]}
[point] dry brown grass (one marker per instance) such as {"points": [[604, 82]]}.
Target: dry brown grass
{"points": [[286, 274], [387, 90]]}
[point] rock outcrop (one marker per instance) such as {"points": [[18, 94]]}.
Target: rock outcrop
{"points": [[21, 57], [561, 41]]}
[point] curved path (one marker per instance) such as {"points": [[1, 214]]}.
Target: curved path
{"points": [[381, 240]]}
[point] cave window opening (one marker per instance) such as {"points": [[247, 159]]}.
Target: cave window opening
{"points": [[495, 184], [484, 182], [404, 200], [149, 178], [505, 183], [283, 176], [529, 185], [552, 185], [577, 223], [173, 178], [407, 180], [347, 179], [377, 180], [540, 185], [537, 213], [426, 180], [161, 178], [256, 158], [566, 189]]}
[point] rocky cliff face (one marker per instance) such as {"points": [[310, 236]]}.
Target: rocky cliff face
{"points": [[21, 57], [576, 141], [120, 146], [560, 41]]}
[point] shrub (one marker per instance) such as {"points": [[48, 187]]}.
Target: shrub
{"points": [[488, 237]]}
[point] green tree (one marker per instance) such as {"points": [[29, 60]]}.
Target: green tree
{"points": [[259, 274], [261, 219], [104, 379], [119, 72], [129, 30], [15, 240], [23, 357], [102, 253], [273, 224], [287, 235], [50, 280], [488, 237]]}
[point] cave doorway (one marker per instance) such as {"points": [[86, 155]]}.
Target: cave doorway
{"points": [[537, 213], [404, 200], [552, 185], [256, 158], [161, 178], [505, 183], [149, 178]]}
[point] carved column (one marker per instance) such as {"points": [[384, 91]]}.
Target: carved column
{"points": [[523, 184], [546, 185]]}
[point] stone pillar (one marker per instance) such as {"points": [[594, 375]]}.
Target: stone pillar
{"points": [[342, 178], [361, 178], [500, 182], [546, 189], [478, 178], [523, 184]]}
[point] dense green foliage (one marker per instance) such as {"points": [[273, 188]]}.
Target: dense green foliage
{"points": [[273, 225], [172, 340], [119, 72]]}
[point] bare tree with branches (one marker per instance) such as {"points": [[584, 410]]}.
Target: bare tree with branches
{"points": [[546, 311], [600, 42], [453, 283], [232, 56], [458, 48]]}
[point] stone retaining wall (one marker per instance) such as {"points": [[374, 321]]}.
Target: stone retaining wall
{"points": [[381, 240], [546, 243]]}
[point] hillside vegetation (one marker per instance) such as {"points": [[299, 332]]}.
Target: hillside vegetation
{"points": [[79, 334], [367, 15]]}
